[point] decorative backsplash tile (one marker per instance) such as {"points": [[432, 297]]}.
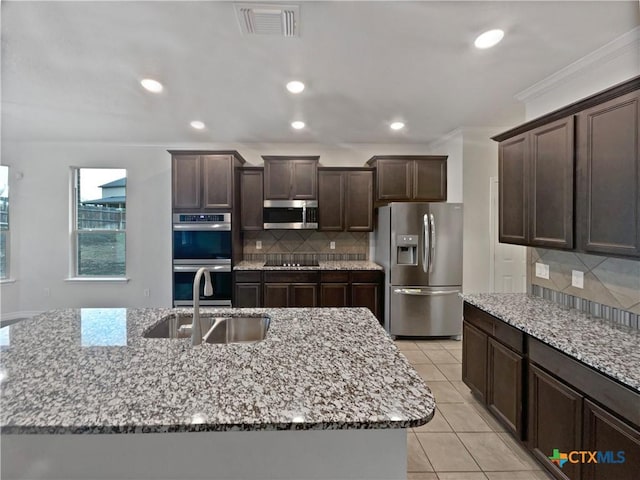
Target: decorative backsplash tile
{"points": [[611, 285], [349, 245]]}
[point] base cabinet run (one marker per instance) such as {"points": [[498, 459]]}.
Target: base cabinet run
{"points": [[552, 402]]}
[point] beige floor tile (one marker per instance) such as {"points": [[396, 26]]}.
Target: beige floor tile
{"points": [[491, 453], [453, 371], [405, 345], [437, 424], [540, 475], [429, 372], [421, 476], [417, 460], [440, 356], [522, 453], [451, 344], [445, 393], [486, 415], [463, 418], [461, 476], [416, 357], [447, 453], [429, 345], [457, 354], [462, 388]]}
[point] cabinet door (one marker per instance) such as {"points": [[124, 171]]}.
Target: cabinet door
{"points": [[186, 181], [304, 179], [555, 421], [394, 179], [334, 295], [331, 185], [277, 179], [474, 360], [251, 183], [504, 385], [430, 180], [367, 295], [304, 295], [605, 433], [276, 295], [217, 181], [247, 295], [551, 188], [609, 176], [359, 201], [513, 173]]}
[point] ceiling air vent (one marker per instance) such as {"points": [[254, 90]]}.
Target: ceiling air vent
{"points": [[266, 19]]}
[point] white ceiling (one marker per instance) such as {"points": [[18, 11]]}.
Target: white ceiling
{"points": [[71, 71]]}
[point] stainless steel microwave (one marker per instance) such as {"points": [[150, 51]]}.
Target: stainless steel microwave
{"points": [[290, 214]]}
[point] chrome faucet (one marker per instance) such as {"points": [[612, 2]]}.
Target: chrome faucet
{"points": [[196, 328]]}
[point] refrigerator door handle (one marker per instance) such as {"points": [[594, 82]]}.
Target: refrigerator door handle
{"points": [[420, 291], [432, 251], [425, 244]]}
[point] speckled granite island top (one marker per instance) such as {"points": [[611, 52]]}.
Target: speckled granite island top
{"points": [[328, 265], [92, 371], [607, 347]]}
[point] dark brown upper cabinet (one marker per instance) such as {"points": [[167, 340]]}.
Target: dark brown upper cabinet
{"points": [[609, 176], [536, 172], [203, 181], [251, 182], [571, 179], [410, 178], [345, 199], [290, 178]]}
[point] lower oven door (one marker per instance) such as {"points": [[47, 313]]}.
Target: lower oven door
{"points": [[183, 276]]}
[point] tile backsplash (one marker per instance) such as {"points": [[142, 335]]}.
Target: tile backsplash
{"points": [[611, 285], [348, 245]]}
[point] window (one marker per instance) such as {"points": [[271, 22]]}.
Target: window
{"points": [[99, 207], [4, 222]]}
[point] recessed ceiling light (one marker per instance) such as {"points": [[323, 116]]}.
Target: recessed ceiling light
{"points": [[295, 86], [489, 39], [151, 85], [197, 124], [396, 126], [298, 125]]}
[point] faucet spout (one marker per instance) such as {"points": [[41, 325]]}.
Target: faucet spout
{"points": [[196, 328]]}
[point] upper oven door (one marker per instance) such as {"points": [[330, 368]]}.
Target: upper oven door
{"points": [[198, 243]]}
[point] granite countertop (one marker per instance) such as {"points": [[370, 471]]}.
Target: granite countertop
{"points": [[92, 371], [603, 345], [328, 265]]}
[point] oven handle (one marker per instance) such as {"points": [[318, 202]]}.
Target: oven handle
{"points": [[192, 268], [202, 228]]}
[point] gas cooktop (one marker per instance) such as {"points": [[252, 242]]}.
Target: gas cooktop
{"points": [[307, 263]]}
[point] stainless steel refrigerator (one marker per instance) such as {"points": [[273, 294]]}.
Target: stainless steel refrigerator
{"points": [[420, 247]]}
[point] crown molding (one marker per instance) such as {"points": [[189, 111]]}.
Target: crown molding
{"points": [[601, 56]]}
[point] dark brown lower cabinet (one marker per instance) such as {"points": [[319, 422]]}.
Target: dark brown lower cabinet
{"points": [[247, 295], [334, 294], [555, 421], [304, 295], [276, 295], [618, 443], [367, 295], [474, 360], [504, 385]]}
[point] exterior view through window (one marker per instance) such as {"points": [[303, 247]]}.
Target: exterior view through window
{"points": [[4, 221], [99, 221]]}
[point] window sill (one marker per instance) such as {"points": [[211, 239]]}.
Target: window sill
{"points": [[97, 279], [7, 281]]}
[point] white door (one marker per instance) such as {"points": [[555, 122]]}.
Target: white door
{"points": [[509, 267]]}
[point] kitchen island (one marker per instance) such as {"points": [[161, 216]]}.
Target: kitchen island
{"points": [[325, 395]]}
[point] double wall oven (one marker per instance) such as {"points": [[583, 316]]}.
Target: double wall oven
{"points": [[201, 240]]}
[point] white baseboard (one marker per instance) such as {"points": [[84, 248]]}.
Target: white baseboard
{"points": [[19, 315]]}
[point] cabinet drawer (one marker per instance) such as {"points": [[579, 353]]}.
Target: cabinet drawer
{"points": [[508, 335], [338, 276], [363, 276], [479, 319], [288, 276], [249, 277]]}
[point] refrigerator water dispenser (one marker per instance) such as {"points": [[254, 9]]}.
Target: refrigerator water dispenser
{"points": [[407, 246]]}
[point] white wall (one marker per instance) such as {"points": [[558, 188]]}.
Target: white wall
{"points": [[40, 205]]}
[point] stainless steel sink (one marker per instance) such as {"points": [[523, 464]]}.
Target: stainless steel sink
{"points": [[218, 329]]}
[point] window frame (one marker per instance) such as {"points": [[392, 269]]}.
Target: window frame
{"points": [[74, 233]]}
